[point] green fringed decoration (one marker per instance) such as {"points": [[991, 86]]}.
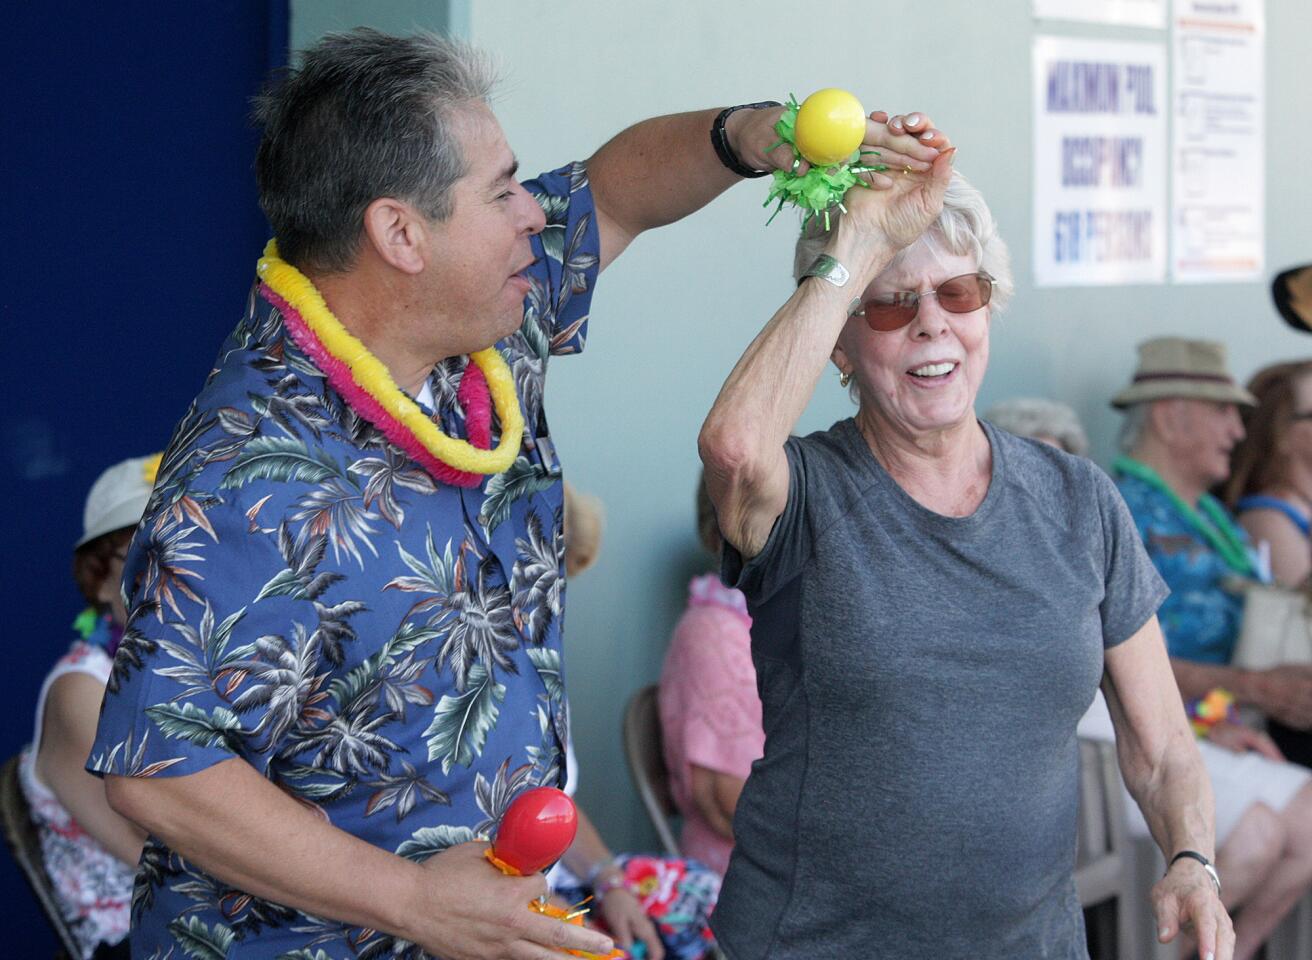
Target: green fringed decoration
{"points": [[86, 621], [819, 189]]}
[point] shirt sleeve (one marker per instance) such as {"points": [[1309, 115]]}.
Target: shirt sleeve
{"points": [[788, 546], [1133, 589], [223, 650], [720, 725], [569, 256]]}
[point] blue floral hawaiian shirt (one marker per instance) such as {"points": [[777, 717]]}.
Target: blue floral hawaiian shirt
{"points": [[308, 599], [1202, 616]]}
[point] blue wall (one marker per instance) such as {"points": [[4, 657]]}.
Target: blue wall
{"points": [[130, 235]]}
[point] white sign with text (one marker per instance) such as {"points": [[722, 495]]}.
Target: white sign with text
{"points": [[1219, 162], [1099, 162]]}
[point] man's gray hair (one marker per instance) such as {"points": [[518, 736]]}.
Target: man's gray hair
{"points": [[1035, 417], [1132, 427], [365, 115], [965, 226]]}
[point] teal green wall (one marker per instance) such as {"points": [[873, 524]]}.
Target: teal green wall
{"points": [[672, 316], [311, 19]]}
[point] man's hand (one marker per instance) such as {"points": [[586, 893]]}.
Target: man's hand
{"points": [[1186, 899], [1241, 738], [909, 141], [1285, 694], [626, 919], [471, 911], [751, 134]]}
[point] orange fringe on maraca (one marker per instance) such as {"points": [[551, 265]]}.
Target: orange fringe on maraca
{"points": [[572, 915], [575, 916]]}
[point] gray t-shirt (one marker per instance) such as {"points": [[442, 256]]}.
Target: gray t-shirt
{"points": [[921, 678]]}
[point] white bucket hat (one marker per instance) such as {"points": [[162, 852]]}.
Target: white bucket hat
{"points": [[118, 497]]}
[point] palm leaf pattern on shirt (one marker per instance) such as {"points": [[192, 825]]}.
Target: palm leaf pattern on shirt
{"points": [[383, 475], [186, 721], [440, 577], [494, 795], [461, 721], [165, 552], [429, 841], [521, 479], [536, 581], [335, 509], [299, 580], [482, 632], [202, 654], [383, 648], [199, 941], [350, 743], [284, 683], [402, 793], [281, 459], [293, 411]]}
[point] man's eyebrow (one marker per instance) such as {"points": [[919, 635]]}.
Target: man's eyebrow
{"points": [[509, 172]]}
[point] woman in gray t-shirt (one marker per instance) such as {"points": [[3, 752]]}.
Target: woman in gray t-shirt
{"points": [[935, 602]]}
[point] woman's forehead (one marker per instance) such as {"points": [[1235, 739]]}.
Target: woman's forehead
{"points": [[928, 261]]}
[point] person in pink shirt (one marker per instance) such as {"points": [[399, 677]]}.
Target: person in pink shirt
{"points": [[710, 711]]}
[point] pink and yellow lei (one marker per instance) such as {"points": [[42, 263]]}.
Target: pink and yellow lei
{"points": [[365, 384]]}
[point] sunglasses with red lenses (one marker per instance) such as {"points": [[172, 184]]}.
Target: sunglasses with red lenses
{"points": [[892, 311]]}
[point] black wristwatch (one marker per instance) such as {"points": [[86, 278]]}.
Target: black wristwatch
{"points": [[1207, 865], [720, 139]]}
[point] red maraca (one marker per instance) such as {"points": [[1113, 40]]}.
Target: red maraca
{"points": [[536, 829]]}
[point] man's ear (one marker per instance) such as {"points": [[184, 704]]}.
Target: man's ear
{"points": [[1166, 417], [397, 233]]}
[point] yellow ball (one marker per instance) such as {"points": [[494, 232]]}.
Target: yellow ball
{"points": [[831, 123]]}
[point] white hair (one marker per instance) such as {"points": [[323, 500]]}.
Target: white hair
{"points": [[1132, 427], [965, 226], [1035, 417]]}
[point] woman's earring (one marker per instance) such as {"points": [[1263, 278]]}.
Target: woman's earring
{"points": [[844, 378]]}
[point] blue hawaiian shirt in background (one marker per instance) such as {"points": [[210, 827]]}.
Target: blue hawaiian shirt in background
{"points": [[1202, 616], [308, 599]]}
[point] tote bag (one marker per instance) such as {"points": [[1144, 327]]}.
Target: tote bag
{"points": [[1277, 628]]}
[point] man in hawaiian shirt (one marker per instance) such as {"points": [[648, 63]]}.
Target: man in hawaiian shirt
{"points": [[338, 669], [1182, 419]]}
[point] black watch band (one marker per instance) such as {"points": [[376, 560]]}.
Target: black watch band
{"points": [[1207, 865], [720, 139]]}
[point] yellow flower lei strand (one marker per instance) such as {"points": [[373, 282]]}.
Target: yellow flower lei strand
{"points": [[372, 377]]}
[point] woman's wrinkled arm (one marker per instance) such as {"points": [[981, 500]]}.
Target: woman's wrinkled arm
{"points": [[1165, 774], [742, 441], [1158, 756]]}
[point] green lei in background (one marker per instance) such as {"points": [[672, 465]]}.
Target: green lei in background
{"points": [[1216, 527]]}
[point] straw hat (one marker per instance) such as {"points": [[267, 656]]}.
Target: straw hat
{"points": [[584, 520], [118, 497], [1172, 367], [1292, 291]]}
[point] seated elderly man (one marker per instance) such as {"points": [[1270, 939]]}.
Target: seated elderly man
{"points": [[1182, 418]]}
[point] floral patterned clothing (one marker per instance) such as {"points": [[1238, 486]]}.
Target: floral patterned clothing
{"points": [[678, 896], [380, 646], [1202, 616], [710, 710], [92, 886]]}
